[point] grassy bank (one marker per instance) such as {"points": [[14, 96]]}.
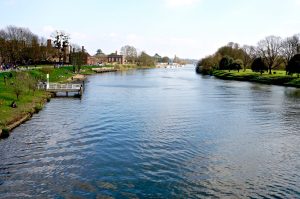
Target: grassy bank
{"points": [[279, 78], [28, 102]]}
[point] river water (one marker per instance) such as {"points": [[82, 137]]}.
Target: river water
{"points": [[158, 133]]}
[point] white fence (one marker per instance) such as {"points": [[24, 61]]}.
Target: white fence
{"points": [[56, 86]]}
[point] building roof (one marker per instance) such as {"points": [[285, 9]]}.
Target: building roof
{"points": [[114, 55]]}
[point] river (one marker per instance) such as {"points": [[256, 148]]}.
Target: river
{"points": [[158, 133]]}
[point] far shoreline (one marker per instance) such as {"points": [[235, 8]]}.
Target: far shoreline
{"points": [[286, 81]]}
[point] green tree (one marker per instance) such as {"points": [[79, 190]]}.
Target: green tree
{"points": [[259, 65], [232, 50], [236, 65], [145, 60], [225, 63], [294, 65]]}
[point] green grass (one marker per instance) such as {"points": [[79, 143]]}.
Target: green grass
{"points": [[25, 104], [278, 77]]}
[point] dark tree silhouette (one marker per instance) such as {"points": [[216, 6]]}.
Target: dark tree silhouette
{"points": [[258, 65], [225, 63], [294, 65], [236, 65]]}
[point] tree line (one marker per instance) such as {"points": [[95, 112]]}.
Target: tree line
{"points": [[19, 46], [270, 53]]}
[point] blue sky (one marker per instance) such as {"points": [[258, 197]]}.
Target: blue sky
{"points": [[187, 28]]}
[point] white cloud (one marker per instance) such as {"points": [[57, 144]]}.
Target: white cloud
{"points": [[178, 3]]}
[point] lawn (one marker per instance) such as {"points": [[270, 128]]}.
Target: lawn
{"points": [[26, 103], [278, 77]]}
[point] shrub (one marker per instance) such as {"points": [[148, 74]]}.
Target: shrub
{"points": [[236, 65], [38, 108], [5, 133]]}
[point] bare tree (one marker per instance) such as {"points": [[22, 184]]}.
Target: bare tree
{"points": [[270, 49], [130, 53], [61, 41], [16, 42], [249, 55], [290, 48], [18, 84]]}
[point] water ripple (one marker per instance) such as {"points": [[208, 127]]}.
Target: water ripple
{"points": [[158, 134]]}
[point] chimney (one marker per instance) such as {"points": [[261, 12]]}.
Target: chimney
{"points": [[116, 52], [49, 45], [82, 48]]}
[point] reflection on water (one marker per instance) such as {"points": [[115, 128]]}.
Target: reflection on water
{"points": [[161, 133]]}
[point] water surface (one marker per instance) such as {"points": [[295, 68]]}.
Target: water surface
{"points": [[160, 133]]}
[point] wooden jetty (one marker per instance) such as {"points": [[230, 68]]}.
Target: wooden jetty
{"points": [[63, 88]]}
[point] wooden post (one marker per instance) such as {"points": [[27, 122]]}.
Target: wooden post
{"points": [[67, 94], [81, 91]]}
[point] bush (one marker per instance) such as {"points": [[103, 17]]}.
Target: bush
{"points": [[38, 108], [236, 65], [205, 70], [5, 133]]}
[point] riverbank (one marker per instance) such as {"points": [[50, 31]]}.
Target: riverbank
{"points": [[279, 78], [31, 102]]}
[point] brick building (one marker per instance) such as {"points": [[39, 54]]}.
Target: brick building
{"points": [[115, 58]]}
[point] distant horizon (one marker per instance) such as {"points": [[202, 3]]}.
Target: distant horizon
{"points": [[189, 29]]}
